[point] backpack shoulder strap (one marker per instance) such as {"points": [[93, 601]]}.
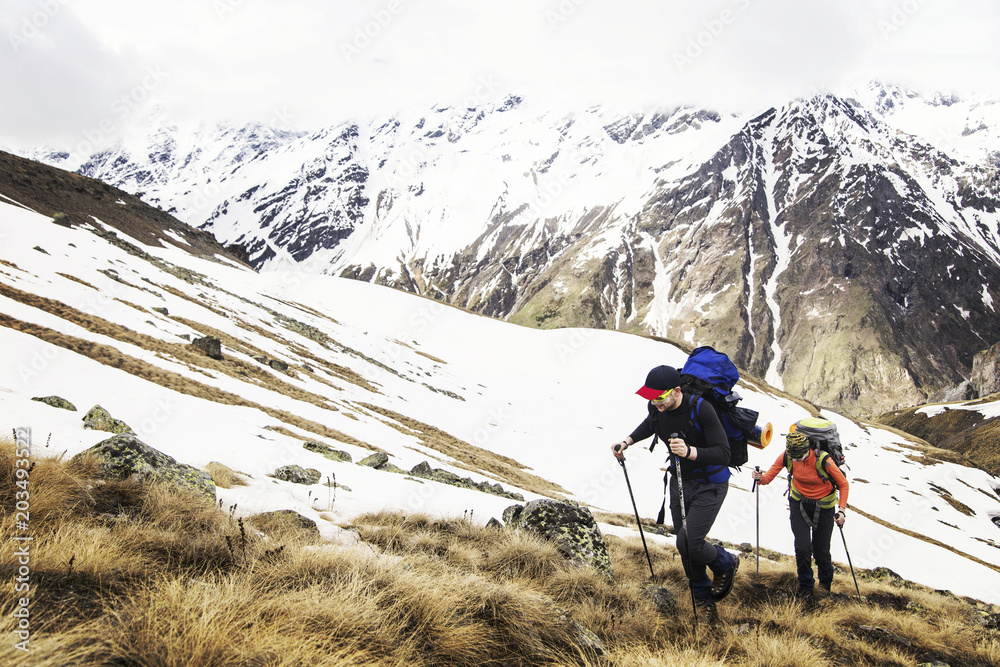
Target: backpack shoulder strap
{"points": [[695, 404], [821, 459]]}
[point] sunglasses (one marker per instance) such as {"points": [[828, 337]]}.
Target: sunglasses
{"points": [[662, 397]]}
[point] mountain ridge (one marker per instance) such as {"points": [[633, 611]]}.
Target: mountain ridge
{"points": [[681, 222]]}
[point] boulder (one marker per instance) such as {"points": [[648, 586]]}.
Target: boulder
{"points": [[56, 402], [99, 419], [124, 456], [376, 460], [571, 527], [298, 475]]}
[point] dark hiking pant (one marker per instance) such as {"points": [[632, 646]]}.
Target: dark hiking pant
{"points": [[702, 500], [812, 541]]}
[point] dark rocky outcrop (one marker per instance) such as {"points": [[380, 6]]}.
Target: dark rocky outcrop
{"points": [[210, 346], [425, 471], [571, 527], [124, 456]]}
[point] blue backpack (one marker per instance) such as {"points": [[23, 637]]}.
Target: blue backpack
{"points": [[710, 375]]}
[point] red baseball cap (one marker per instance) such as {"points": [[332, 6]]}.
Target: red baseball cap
{"points": [[658, 381]]}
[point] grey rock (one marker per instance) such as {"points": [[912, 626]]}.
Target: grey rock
{"points": [[512, 514], [56, 402], [298, 475], [99, 419]]}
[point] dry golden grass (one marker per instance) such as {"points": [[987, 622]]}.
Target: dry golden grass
{"points": [[129, 574], [468, 456], [224, 476]]}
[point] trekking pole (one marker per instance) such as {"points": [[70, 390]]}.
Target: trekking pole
{"points": [[636, 510], [849, 561], [756, 490], [687, 547]]}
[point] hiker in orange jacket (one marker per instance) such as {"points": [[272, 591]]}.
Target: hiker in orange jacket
{"points": [[813, 507]]}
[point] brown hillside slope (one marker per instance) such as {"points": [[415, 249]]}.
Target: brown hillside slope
{"points": [[75, 200], [963, 431]]}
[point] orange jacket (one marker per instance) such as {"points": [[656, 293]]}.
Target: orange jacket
{"points": [[807, 481]]}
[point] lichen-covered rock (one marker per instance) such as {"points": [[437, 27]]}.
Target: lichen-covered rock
{"points": [[571, 527], [124, 456], [327, 451], [56, 402], [376, 460], [278, 365], [99, 419], [210, 346], [298, 474]]}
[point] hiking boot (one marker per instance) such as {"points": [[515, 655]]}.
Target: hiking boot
{"points": [[707, 611], [822, 591], [806, 595], [722, 584]]}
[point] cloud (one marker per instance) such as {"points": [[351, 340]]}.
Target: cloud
{"points": [[86, 66]]}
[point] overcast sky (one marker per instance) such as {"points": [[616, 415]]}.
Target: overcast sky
{"points": [[74, 71]]}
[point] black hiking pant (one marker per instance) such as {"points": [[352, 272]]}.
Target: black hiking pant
{"points": [[812, 541], [702, 501]]}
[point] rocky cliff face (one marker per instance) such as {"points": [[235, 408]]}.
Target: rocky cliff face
{"points": [[825, 248], [985, 377]]}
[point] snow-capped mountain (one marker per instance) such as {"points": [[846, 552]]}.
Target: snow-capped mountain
{"points": [[99, 312], [846, 248]]}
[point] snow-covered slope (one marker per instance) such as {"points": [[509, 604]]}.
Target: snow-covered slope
{"points": [[373, 368]]}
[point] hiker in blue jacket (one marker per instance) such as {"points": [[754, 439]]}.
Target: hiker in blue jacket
{"points": [[703, 451]]}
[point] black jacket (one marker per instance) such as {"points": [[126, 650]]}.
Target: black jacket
{"points": [[708, 436]]}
